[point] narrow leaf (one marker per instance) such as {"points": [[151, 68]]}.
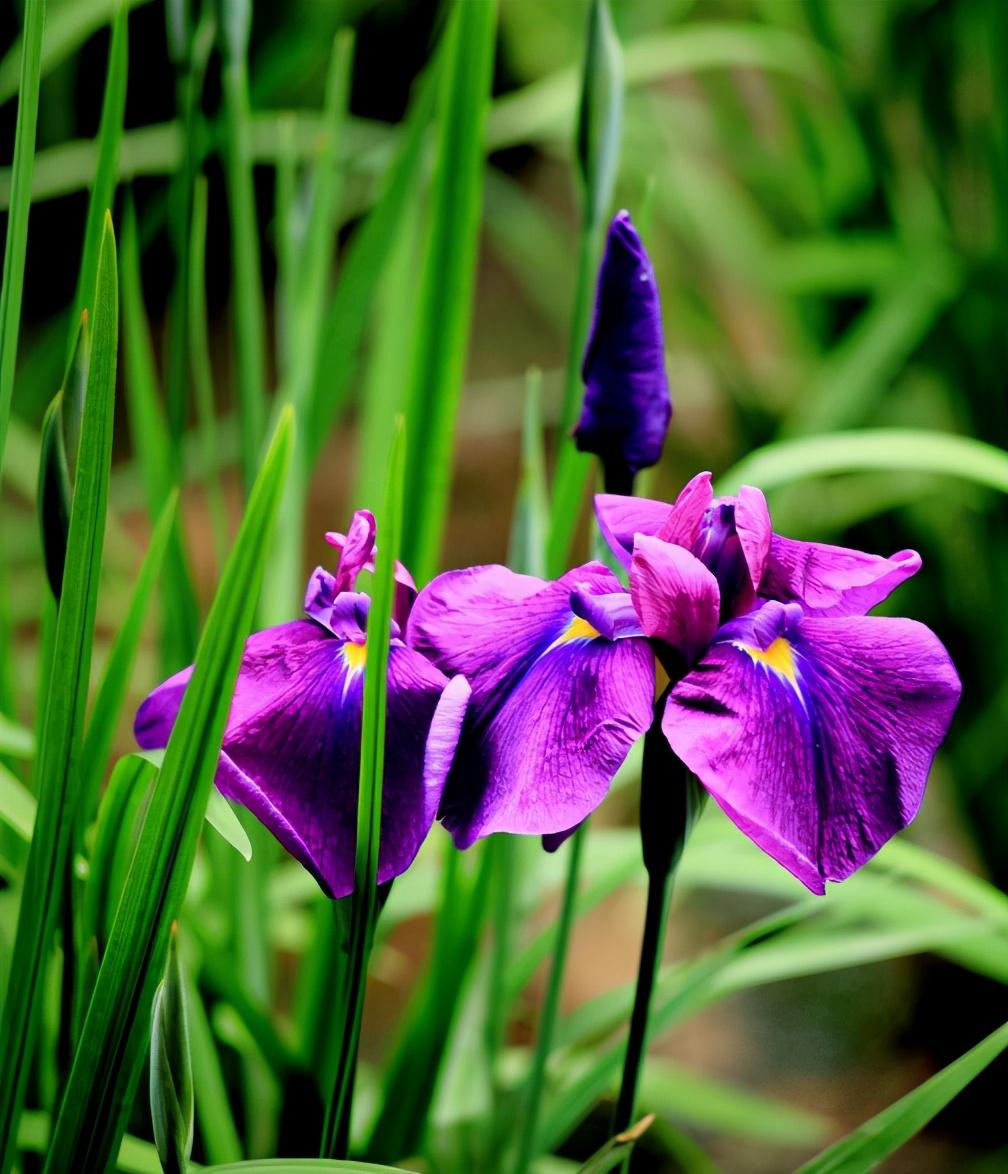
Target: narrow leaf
{"points": [[17, 804], [171, 1084], [105, 1069], [54, 494]]}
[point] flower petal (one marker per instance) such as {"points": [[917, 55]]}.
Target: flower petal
{"points": [[682, 522], [833, 580], [752, 524], [815, 735], [627, 406], [620, 518], [344, 613], [357, 554], [675, 596], [291, 750], [555, 705]]}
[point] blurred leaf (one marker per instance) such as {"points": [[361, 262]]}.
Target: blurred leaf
{"points": [[105, 1068], [529, 523], [61, 722], [103, 181], [136, 1156], [54, 495], [25, 73], [17, 804], [171, 1082], [874, 1141], [616, 1150], [16, 740], [217, 1128], [296, 1165], [892, 449], [444, 295], [600, 116]]}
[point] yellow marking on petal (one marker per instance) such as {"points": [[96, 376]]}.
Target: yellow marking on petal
{"points": [[779, 657], [578, 629], [355, 656]]}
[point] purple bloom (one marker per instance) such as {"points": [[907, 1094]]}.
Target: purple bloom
{"points": [[291, 751], [562, 686], [812, 724], [627, 407]]}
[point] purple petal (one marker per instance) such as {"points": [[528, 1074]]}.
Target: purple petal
{"points": [[832, 580], [357, 554], [676, 597], [815, 735], [752, 524], [627, 406], [555, 705], [344, 613], [621, 518], [291, 749], [612, 615], [683, 521]]}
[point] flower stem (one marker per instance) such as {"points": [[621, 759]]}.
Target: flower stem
{"points": [[547, 1024]]}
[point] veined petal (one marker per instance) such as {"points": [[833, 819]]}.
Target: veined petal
{"points": [[815, 735], [682, 522], [555, 705], [344, 613], [675, 596], [357, 554], [291, 751], [833, 580], [752, 524], [621, 518], [612, 615]]}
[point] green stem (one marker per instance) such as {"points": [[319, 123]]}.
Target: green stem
{"points": [[547, 1025], [659, 896]]}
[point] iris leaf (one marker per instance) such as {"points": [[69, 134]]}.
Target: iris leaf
{"points": [[869, 1144], [63, 714], [106, 1064], [444, 298], [28, 69]]}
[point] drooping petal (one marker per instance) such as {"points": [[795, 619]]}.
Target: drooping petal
{"points": [[627, 406], [815, 735], [833, 580], [555, 705], [675, 596], [621, 518], [683, 521], [291, 750]]}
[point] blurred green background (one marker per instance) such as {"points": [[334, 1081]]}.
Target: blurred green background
{"points": [[823, 187]]}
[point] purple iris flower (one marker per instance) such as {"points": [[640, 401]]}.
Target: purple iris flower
{"points": [[291, 751], [812, 724], [626, 408]]}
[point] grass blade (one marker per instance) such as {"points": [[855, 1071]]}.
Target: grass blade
{"points": [[364, 900], [63, 713], [446, 287], [106, 173], [16, 243], [874, 1141], [115, 678], [99, 1091], [246, 272], [54, 494]]}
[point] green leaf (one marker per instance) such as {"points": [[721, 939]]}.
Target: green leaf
{"points": [[616, 1150], [20, 201], [246, 272], [302, 1166], [867, 450], [218, 1132], [527, 546], [16, 740], [364, 900], [135, 1155], [106, 174], [54, 494], [115, 677], [62, 719], [17, 804], [222, 818], [600, 117], [171, 1083], [444, 297], [883, 1135], [105, 1068]]}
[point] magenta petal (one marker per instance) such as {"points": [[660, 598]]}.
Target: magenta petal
{"points": [[613, 615], [555, 705], [752, 524], [620, 518], [291, 750], [815, 735], [833, 580], [682, 522], [674, 594], [357, 554]]}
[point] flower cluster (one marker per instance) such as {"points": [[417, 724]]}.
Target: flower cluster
{"points": [[512, 701]]}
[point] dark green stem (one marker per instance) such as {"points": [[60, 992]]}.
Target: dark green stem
{"points": [[544, 1044]]}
